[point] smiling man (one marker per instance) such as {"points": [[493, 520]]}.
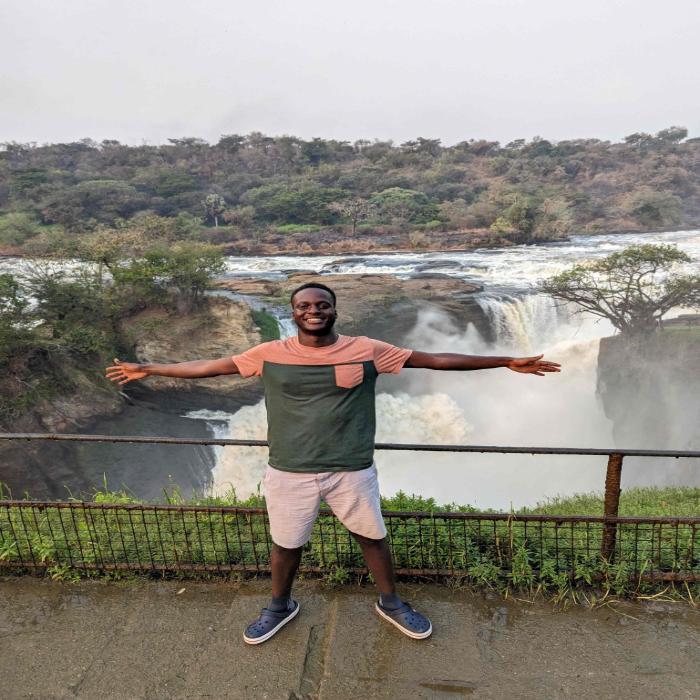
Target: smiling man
{"points": [[320, 400]]}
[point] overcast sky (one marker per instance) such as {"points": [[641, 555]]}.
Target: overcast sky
{"points": [[149, 70]]}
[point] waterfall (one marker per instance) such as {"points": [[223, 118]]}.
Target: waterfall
{"points": [[522, 322], [434, 418], [284, 319]]}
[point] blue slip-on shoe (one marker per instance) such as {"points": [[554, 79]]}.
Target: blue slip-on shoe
{"points": [[408, 620], [269, 623]]}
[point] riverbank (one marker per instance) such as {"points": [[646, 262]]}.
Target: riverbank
{"points": [[183, 640], [337, 241]]}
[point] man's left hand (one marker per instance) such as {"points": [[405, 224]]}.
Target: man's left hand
{"points": [[533, 365]]}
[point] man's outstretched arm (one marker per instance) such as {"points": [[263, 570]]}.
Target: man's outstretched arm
{"points": [[452, 361], [123, 372]]}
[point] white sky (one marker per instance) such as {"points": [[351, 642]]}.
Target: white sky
{"points": [[147, 70]]}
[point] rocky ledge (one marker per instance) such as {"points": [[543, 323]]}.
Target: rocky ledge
{"points": [[379, 305]]}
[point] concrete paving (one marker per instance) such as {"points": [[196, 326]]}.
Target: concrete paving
{"points": [[148, 639]]}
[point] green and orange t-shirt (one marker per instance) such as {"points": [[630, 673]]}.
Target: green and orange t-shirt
{"points": [[320, 401]]}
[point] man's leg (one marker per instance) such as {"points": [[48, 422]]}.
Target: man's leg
{"points": [[378, 558], [354, 498], [292, 504], [284, 563]]}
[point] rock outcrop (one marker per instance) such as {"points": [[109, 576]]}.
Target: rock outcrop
{"points": [[650, 390], [379, 305]]}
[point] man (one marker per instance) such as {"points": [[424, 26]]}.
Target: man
{"points": [[319, 395]]}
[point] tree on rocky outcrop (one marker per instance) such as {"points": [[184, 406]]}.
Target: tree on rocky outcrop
{"points": [[179, 273], [632, 288]]}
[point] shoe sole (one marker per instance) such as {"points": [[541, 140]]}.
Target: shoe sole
{"points": [[408, 633], [273, 631]]}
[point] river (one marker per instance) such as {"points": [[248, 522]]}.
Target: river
{"points": [[488, 407]]}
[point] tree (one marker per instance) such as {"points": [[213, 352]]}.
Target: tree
{"points": [[674, 134], [554, 218], [640, 139], [403, 205], [633, 288], [354, 209], [214, 206], [518, 216], [305, 203], [653, 209], [104, 201], [76, 307], [15, 333], [16, 227], [184, 268], [242, 217]]}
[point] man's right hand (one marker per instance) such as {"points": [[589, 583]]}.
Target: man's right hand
{"points": [[123, 372]]}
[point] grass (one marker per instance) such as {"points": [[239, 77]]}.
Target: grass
{"points": [[505, 555], [668, 501], [269, 328], [297, 228]]}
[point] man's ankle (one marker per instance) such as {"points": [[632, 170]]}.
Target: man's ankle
{"points": [[390, 601], [279, 604]]}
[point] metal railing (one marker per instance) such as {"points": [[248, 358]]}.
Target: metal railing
{"points": [[484, 546]]}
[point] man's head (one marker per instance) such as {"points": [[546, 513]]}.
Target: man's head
{"points": [[313, 308]]}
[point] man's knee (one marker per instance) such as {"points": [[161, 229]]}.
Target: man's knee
{"points": [[288, 551], [368, 540]]}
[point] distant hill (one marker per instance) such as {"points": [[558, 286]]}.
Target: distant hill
{"points": [[246, 188]]}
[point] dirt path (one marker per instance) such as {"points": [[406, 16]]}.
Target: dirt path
{"points": [[143, 640]]}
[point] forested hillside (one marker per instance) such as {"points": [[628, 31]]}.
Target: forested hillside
{"points": [[256, 186]]}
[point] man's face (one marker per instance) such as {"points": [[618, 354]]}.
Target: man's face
{"points": [[313, 311]]}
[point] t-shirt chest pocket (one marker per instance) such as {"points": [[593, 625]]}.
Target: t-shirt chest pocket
{"points": [[349, 376]]}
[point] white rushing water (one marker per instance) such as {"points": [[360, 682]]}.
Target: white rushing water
{"points": [[514, 268], [490, 407]]}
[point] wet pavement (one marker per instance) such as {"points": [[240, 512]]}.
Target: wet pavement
{"points": [[150, 639]]}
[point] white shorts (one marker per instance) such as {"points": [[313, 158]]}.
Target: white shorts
{"points": [[293, 500]]}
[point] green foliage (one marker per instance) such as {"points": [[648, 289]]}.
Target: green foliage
{"points": [[269, 328], [172, 183], [528, 190], [642, 501], [242, 217], [404, 205], [518, 216], [16, 335], [297, 228], [104, 201], [214, 206], [655, 209], [16, 228], [76, 310], [632, 288], [185, 269], [501, 555], [306, 202]]}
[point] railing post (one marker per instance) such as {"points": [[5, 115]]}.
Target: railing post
{"points": [[611, 505]]}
